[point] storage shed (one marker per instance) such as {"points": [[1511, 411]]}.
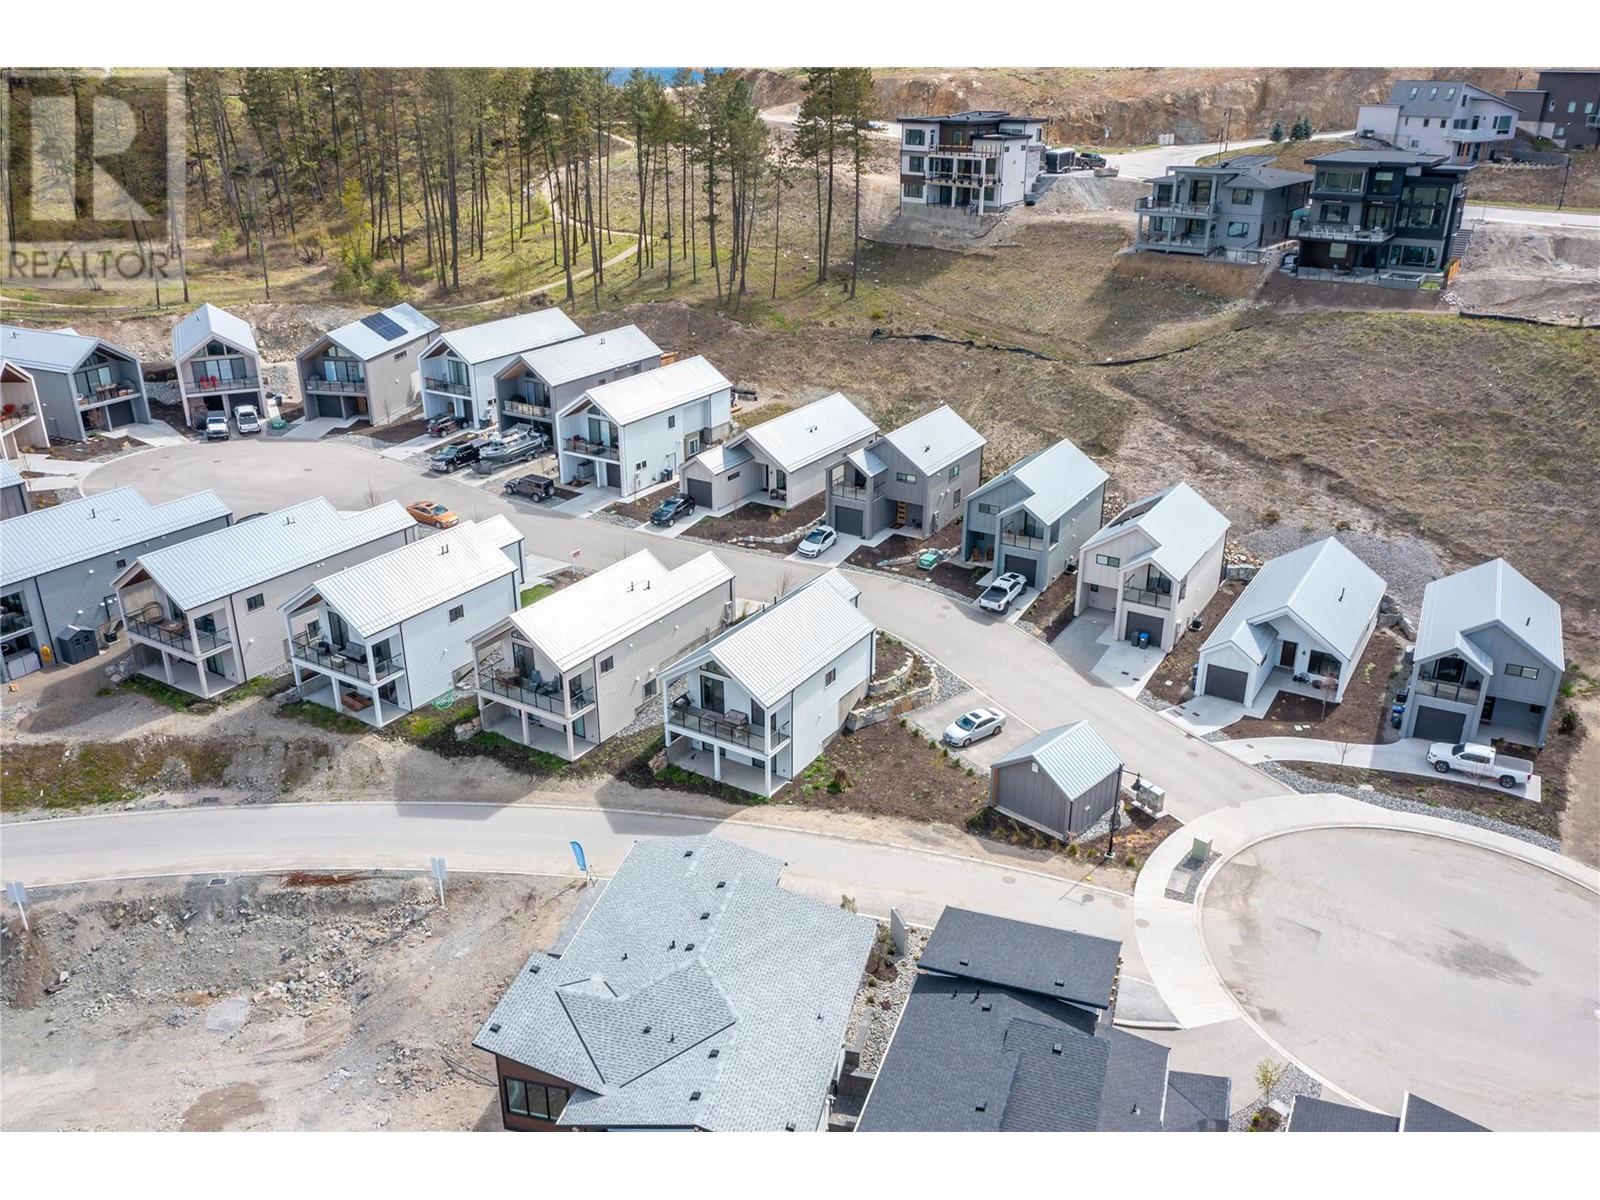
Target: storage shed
{"points": [[1061, 782]]}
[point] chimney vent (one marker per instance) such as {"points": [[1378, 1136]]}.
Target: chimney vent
{"points": [[495, 1028]]}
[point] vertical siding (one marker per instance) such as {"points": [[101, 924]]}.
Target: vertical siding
{"points": [[620, 691], [57, 403], [437, 649], [819, 709], [389, 380]]}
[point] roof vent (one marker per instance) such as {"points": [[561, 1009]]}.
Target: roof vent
{"points": [[534, 969], [647, 1029], [722, 883], [1135, 1109], [1061, 983], [705, 916], [713, 1054], [987, 1005], [789, 1128], [1056, 1049], [673, 944], [982, 1105], [688, 853], [495, 1028], [624, 956], [966, 962], [688, 945], [694, 1095]]}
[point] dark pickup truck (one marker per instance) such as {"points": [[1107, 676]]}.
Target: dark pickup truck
{"points": [[453, 457]]}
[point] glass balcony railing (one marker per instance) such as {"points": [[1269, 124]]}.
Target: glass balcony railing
{"points": [[1150, 599], [545, 695], [448, 386], [346, 661], [726, 727], [1461, 693], [175, 633]]}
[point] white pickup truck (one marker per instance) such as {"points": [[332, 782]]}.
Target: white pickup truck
{"points": [[1472, 759]]}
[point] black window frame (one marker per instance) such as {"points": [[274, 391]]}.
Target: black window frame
{"points": [[458, 613], [253, 603]]}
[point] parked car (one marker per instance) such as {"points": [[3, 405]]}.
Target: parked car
{"points": [[509, 448], [454, 456], [442, 424], [997, 597], [670, 509], [1090, 159], [1472, 759], [974, 726], [431, 512], [247, 419], [216, 427], [818, 540], [535, 487]]}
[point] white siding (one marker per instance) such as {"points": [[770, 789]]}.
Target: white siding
{"points": [[659, 447], [619, 692], [819, 708], [437, 649]]}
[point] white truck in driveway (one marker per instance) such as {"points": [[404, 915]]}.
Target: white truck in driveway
{"points": [[1472, 759]]}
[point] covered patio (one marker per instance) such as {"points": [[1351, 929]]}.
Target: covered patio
{"points": [[177, 672], [711, 764], [347, 699], [527, 729]]}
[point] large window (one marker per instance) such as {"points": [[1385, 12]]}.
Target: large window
{"points": [[911, 191], [1200, 191], [916, 137], [915, 164], [540, 1100], [1522, 672], [1238, 228], [1418, 256], [1241, 196], [1502, 124], [904, 477], [1424, 206], [1386, 181], [1331, 180], [1108, 560], [1336, 214]]}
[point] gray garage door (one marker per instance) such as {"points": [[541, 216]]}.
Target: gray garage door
{"points": [[1225, 683], [1144, 621], [1438, 724], [1025, 567], [328, 406], [847, 520], [698, 490]]}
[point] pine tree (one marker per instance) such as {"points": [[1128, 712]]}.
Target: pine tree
{"points": [[1277, 131]]}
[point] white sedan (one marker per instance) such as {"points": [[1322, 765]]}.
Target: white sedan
{"points": [[997, 597], [974, 726], [818, 540]]}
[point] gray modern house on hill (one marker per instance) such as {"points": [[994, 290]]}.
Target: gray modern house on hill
{"points": [[1035, 515], [85, 384], [366, 369], [1564, 108], [1235, 208], [1437, 116], [910, 480]]}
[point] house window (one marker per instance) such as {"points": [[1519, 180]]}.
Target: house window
{"points": [[988, 510], [1572, 106], [607, 663], [672, 420], [955, 472], [988, 193], [1094, 587], [400, 357], [915, 166], [1108, 560], [904, 477], [525, 1099], [638, 466], [916, 137], [1200, 191], [457, 613], [833, 674], [732, 475], [1338, 250], [121, 562], [1339, 181], [1522, 672], [911, 191], [1241, 196], [1418, 256], [1336, 214], [1238, 228], [1502, 124], [259, 600], [650, 688]]}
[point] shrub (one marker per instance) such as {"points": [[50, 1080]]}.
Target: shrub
{"points": [[225, 243], [1568, 722], [1271, 517]]}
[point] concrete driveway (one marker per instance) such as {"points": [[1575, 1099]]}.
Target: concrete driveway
{"points": [[1406, 757], [934, 719], [1089, 644]]}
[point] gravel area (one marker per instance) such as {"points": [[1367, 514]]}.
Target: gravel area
{"points": [[1295, 1082], [1407, 564], [872, 997]]}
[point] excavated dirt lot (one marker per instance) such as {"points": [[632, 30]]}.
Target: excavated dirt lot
{"points": [[297, 1002], [1548, 272]]}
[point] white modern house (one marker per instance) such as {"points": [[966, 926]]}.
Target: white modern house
{"points": [[1034, 516], [782, 462], [634, 433], [203, 615], [84, 384], [1441, 116], [574, 668], [980, 161], [391, 634], [1301, 624], [59, 565], [1155, 565], [754, 706], [533, 387], [366, 370], [460, 368], [21, 420], [1488, 660], [218, 365]]}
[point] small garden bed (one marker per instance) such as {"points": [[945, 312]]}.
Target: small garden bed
{"points": [[1171, 680], [1542, 818], [1053, 610], [638, 509], [751, 521], [889, 769], [393, 434]]}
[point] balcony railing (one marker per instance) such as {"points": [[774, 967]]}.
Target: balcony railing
{"points": [[1332, 232], [1175, 239], [175, 633], [215, 383], [706, 723], [322, 654], [975, 149], [105, 393], [16, 415], [523, 408], [1138, 595], [1152, 204], [1592, 120], [1011, 537], [846, 492], [546, 696], [318, 383], [577, 445], [1462, 693], [449, 386]]}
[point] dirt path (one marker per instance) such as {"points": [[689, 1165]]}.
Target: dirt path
{"points": [[1580, 823]]}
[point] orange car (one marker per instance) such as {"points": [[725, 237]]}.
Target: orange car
{"points": [[431, 512]]}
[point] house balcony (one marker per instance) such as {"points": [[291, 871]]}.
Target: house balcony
{"points": [[343, 387], [1134, 594], [448, 386], [1152, 205], [106, 393], [1183, 241], [207, 384], [318, 652], [1323, 231], [1023, 541], [846, 492], [578, 445], [733, 729], [524, 408], [546, 696], [959, 178], [972, 150], [1483, 133], [14, 415], [173, 634], [1460, 693]]}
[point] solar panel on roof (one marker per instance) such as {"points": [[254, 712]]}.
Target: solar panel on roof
{"points": [[385, 327]]}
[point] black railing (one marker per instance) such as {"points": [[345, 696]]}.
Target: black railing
{"points": [[710, 724], [1462, 693], [446, 385], [178, 639], [322, 653], [317, 383], [1147, 597], [546, 696], [1026, 541], [215, 383]]}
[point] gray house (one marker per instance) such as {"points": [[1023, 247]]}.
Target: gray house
{"points": [[1488, 660], [58, 566], [366, 369], [14, 498], [1242, 204], [533, 387], [218, 364], [1061, 782], [910, 480], [1311, 1114], [85, 384], [461, 369], [1033, 517]]}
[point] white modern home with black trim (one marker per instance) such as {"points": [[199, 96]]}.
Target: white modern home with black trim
{"points": [[84, 384], [1034, 516], [1301, 625], [572, 669], [754, 706], [218, 365], [203, 616], [366, 370], [533, 387], [461, 369], [391, 634], [1155, 565]]}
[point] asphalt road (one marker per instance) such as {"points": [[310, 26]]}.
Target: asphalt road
{"points": [[1153, 163], [1017, 671], [1390, 962]]}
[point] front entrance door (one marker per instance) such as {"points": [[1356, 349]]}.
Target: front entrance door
{"points": [[1286, 659], [711, 694]]}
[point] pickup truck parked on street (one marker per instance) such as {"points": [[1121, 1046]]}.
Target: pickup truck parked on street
{"points": [[1472, 759]]}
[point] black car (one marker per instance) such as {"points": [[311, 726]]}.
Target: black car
{"points": [[442, 425], [1092, 160], [453, 457], [670, 509], [535, 487]]}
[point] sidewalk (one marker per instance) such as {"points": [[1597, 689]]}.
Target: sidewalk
{"points": [[1407, 757]]}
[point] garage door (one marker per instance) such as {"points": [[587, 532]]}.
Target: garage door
{"points": [[1025, 567], [119, 414], [1225, 683], [1438, 724], [1144, 621], [699, 490], [847, 520], [329, 406]]}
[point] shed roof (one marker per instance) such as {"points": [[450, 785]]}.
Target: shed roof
{"points": [[1322, 586], [1268, 178], [1075, 757], [1055, 963], [593, 354], [650, 392], [363, 340], [936, 439], [1058, 479], [50, 538], [1491, 593], [206, 322], [511, 335], [819, 429], [8, 475], [52, 349], [225, 561], [724, 457], [1179, 522], [696, 994]]}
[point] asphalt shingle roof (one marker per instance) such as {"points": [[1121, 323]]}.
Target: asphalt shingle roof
{"points": [[1423, 1116], [1437, 97], [1056, 963], [1310, 1115], [1197, 1102]]}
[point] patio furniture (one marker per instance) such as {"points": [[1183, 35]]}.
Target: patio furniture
{"points": [[174, 626], [356, 701]]}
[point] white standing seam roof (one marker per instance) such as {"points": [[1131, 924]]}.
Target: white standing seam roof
{"points": [[1057, 478], [50, 538], [723, 458], [651, 392], [1323, 587], [936, 439], [367, 343], [821, 428], [864, 460], [1490, 593], [226, 561], [610, 606], [591, 355], [511, 335], [52, 349], [198, 328], [8, 475], [382, 592], [1178, 520], [1074, 756], [779, 648]]}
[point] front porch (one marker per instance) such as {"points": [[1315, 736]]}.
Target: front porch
{"points": [[530, 729], [193, 678], [346, 698], [713, 763]]}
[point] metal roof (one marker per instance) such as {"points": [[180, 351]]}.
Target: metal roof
{"points": [[382, 592], [1423, 1116], [1379, 158], [610, 606], [1325, 588], [52, 349], [1075, 757], [206, 322], [361, 340], [1438, 97], [782, 646], [1491, 593], [1058, 479], [864, 460], [50, 538], [724, 457], [591, 355], [1178, 521], [226, 561], [936, 439], [1055, 963], [650, 392], [976, 116], [8, 475], [510, 335], [696, 994], [1268, 178], [819, 429], [1307, 1114]]}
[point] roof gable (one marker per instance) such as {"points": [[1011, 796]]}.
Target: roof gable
{"points": [[935, 440], [1322, 586], [1181, 525], [48, 539], [1491, 593], [816, 430], [509, 335], [363, 339], [207, 322]]}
